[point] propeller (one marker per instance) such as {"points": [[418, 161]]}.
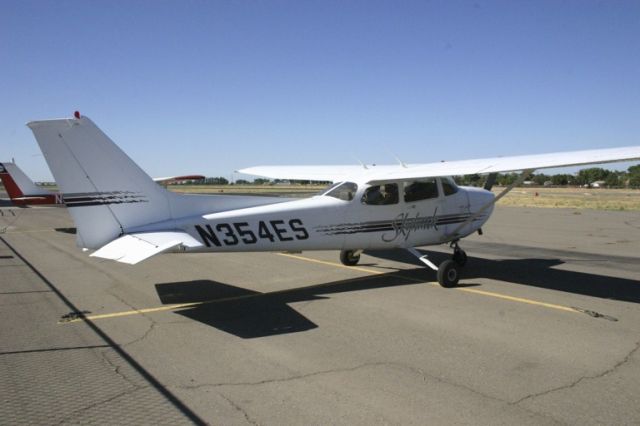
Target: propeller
{"points": [[491, 179]]}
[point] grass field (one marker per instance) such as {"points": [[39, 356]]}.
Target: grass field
{"points": [[578, 198]]}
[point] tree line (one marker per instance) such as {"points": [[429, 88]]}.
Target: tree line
{"points": [[585, 177], [258, 181]]}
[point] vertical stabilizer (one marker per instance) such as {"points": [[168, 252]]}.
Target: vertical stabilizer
{"points": [[105, 191]]}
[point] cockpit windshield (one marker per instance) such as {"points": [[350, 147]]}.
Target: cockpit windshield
{"points": [[342, 191], [449, 186]]}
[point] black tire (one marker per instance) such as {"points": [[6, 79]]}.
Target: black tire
{"points": [[460, 257], [349, 258], [448, 273]]}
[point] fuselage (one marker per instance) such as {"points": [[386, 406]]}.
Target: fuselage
{"points": [[347, 216]]}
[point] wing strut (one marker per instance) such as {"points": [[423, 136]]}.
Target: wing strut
{"points": [[504, 192]]}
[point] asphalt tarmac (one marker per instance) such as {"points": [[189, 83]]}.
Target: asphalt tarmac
{"points": [[545, 329]]}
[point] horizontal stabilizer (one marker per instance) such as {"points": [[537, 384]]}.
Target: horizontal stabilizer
{"points": [[134, 248]]}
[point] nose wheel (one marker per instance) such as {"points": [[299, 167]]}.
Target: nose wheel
{"points": [[448, 272]]}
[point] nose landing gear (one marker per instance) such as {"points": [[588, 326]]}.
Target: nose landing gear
{"points": [[459, 255], [449, 270]]}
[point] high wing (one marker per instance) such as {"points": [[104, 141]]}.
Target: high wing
{"points": [[315, 173], [374, 174]]}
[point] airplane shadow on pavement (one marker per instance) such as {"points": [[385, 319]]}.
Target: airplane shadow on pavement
{"points": [[251, 314], [241, 312], [538, 273]]}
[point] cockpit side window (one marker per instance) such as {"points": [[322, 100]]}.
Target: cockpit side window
{"points": [[381, 195], [342, 191], [448, 186], [423, 189]]}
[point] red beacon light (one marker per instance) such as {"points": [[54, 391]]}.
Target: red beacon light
{"points": [[76, 114]]}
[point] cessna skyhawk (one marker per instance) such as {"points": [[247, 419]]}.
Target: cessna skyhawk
{"points": [[119, 210]]}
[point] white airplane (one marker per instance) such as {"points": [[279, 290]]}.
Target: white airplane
{"points": [[119, 211], [24, 192]]}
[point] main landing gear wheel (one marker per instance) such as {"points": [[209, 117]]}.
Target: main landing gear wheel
{"points": [[349, 257], [448, 273]]}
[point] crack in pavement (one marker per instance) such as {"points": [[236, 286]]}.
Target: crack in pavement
{"points": [[283, 379], [152, 327], [116, 369], [575, 383], [628, 223], [238, 408], [425, 377]]}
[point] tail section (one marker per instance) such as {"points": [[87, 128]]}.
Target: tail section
{"points": [[17, 183], [105, 191]]}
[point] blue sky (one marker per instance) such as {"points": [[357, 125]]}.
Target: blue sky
{"points": [[210, 87]]}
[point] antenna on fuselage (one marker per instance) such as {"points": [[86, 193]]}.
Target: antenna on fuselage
{"points": [[402, 163], [361, 163]]}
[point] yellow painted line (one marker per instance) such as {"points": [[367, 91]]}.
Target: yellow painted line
{"points": [[133, 312], [518, 299], [188, 305], [185, 305], [334, 264], [465, 289], [337, 265]]}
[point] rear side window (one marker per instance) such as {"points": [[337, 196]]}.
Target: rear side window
{"points": [[420, 190], [381, 195]]}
